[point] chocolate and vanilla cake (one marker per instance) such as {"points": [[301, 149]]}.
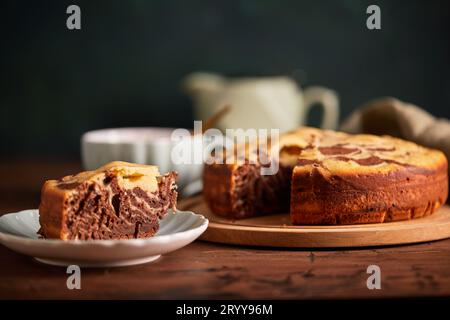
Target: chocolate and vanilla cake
{"points": [[117, 201], [328, 177]]}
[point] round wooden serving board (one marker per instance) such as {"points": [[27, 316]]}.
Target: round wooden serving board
{"points": [[277, 231]]}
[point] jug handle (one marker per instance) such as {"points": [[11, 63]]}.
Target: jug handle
{"points": [[329, 101]]}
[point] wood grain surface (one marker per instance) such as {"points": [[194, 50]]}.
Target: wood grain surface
{"points": [[277, 230], [209, 270]]}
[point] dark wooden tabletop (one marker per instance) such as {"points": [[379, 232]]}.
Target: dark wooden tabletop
{"points": [[208, 270]]}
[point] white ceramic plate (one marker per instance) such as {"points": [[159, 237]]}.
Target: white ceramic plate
{"points": [[18, 232]]}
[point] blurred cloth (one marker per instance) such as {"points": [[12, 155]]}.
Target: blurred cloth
{"points": [[400, 119]]}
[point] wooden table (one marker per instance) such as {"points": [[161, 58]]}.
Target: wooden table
{"points": [[208, 270]]}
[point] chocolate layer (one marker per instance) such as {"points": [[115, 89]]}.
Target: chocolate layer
{"points": [[243, 192]]}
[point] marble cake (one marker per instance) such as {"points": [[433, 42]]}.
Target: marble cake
{"points": [[330, 178], [117, 201]]}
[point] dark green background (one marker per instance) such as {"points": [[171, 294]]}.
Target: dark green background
{"points": [[124, 67]]}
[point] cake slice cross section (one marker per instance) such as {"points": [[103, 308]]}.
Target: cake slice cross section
{"points": [[117, 201]]}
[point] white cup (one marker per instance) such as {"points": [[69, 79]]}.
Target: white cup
{"points": [[137, 145]]}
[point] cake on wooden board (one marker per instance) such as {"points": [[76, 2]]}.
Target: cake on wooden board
{"points": [[329, 178], [117, 201]]}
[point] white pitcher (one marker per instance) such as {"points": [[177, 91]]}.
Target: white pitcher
{"points": [[259, 102]]}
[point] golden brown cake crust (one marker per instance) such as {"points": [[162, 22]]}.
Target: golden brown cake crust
{"points": [[51, 208], [218, 187], [318, 198], [339, 178]]}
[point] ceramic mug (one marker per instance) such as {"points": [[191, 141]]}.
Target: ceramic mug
{"points": [[261, 103], [139, 145]]}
